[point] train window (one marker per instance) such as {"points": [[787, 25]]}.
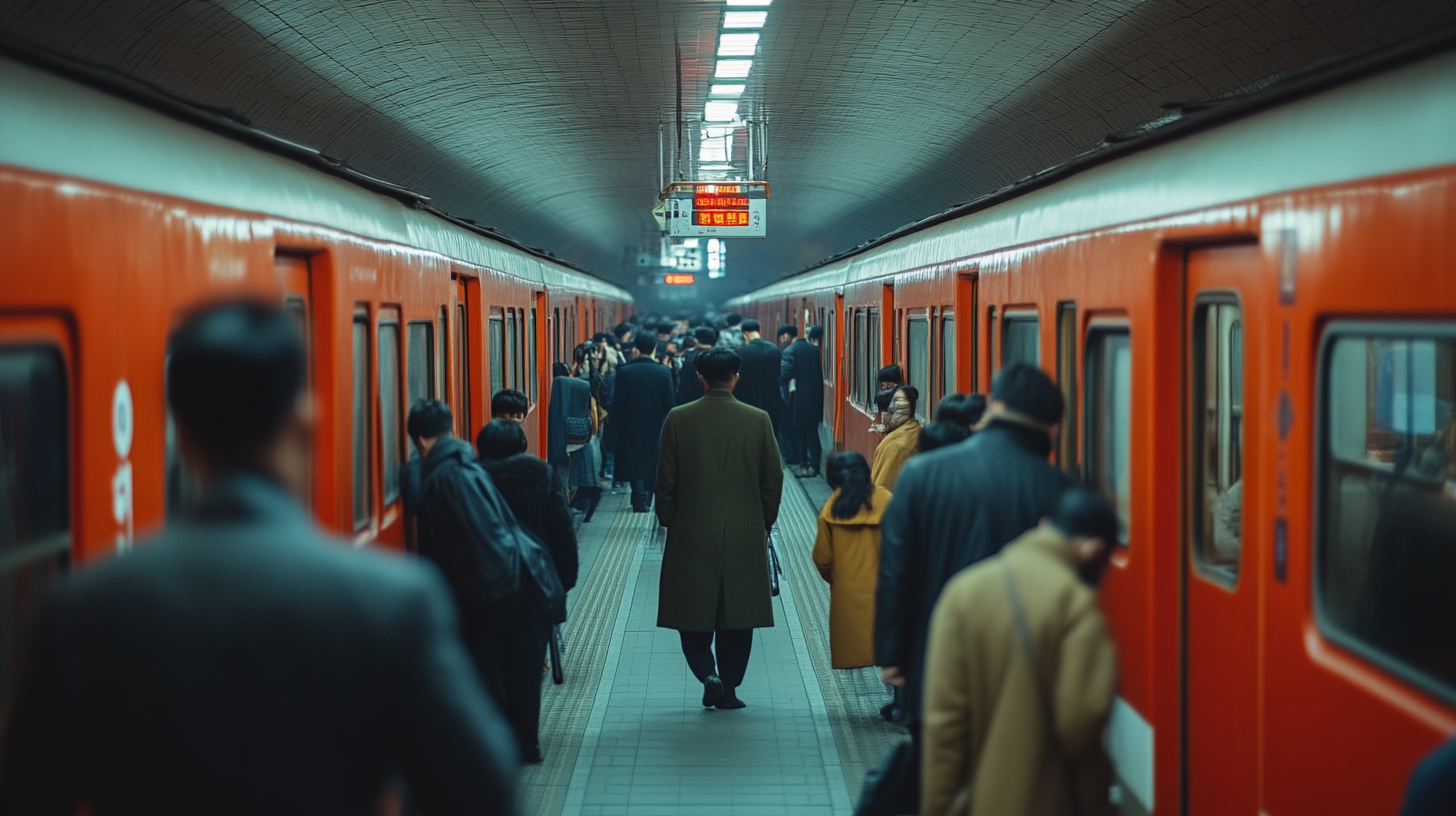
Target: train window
{"points": [[947, 354], [512, 368], [1067, 380], [363, 508], [531, 374], [497, 354], [1108, 409], [1386, 555], [462, 369], [421, 366], [35, 487], [861, 357], [1218, 381], [874, 347], [392, 440], [917, 362], [442, 332], [1020, 339]]}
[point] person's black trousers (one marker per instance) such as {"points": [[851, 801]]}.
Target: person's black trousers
{"points": [[510, 656], [641, 495], [733, 647], [806, 446]]}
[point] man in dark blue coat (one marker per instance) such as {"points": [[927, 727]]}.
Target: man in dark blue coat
{"points": [[643, 397], [758, 375], [243, 661], [801, 376]]}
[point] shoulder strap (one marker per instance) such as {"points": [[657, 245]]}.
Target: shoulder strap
{"points": [[1043, 693]]}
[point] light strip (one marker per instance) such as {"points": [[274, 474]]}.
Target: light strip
{"points": [[732, 68], [737, 45]]}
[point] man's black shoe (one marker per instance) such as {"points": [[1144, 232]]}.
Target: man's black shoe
{"points": [[730, 702], [531, 754], [712, 691]]}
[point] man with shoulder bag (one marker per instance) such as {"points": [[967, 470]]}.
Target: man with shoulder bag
{"points": [[503, 579]]}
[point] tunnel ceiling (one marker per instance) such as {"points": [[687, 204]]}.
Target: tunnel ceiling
{"points": [[541, 118]]}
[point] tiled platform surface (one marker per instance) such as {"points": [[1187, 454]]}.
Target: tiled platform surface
{"points": [[626, 733]]}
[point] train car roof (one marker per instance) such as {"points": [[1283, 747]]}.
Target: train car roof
{"points": [[57, 125], [1395, 121]]}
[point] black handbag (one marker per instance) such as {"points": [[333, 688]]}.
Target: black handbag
{"points": [[892, 788], [578, 430]]}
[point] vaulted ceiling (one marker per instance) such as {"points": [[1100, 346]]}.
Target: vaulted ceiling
{"points": [[542, 118]]}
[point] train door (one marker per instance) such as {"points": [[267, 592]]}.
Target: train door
{"points": [[295, 279], [1220, 638]]}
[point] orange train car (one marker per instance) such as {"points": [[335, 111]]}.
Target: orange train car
{"points": [[1251, 312], [119, 216]]}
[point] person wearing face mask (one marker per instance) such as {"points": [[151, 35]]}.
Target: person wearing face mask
{"points": [[886, 381], [901, 441]]}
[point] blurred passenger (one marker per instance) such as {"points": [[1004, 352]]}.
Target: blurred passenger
{"points": [[719, 482], [689, 387], [847, 553], [1021, 672], [941, 433], [886, 381], [533, 493], [962, 409], [758, 383], [643, 397], [503, 580], [801, 374], [787, 334], [163, 682], [732, 334], [664, 334], [956, 506], [509, 404], [608, 360], [901, 441], [571, 423], [1432, 787], [624, 334]]}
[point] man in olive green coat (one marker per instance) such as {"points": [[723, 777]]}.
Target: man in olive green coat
{"points": [[718, 487]]}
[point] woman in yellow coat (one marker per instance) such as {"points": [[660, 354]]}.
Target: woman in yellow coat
{"points": [[847, 553], [902, 441]]}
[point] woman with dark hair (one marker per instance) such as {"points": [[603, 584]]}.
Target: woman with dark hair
{"points": [[941, 433], [570, 426], [847, 553], [962, 409], [901, 441]]}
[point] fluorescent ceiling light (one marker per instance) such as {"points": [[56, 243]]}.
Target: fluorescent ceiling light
{"points": [[737, 45], [720, 111], [759, 3], [744, 19], [732, 69], [726, 90]]}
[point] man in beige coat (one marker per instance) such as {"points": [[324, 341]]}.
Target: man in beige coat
{"points": [[1014, 637], [718, 486]]}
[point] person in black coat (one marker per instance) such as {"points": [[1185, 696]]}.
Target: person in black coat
{"points": [[801, 376], [956, 506], [533, 492], [758, 375], [464, 524], [643, 397], [688, 386], [243, 661]]}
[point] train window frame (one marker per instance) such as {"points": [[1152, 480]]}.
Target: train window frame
{"points": [[831, 356], [948, 352], [442, 361], [994, 338], [531, 369], [919, 320], [1067, 450], [1334, 632], [1217, 573], [361, 416], [1013, 318], [512, 367], [874, 354], [496, 333], [392, 453], [861, 354], [419, 358], [1094, 387]]}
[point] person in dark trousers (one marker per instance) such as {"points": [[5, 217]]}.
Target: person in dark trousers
{"points": [[801, 377], [465, 517], [243, 661], [689, 387], [719, 482], [643, 397], [532, 491], [570, 425], [758, 383], [956, 506]]}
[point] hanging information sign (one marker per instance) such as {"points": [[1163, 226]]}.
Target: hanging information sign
{"points": [[714, 208]]}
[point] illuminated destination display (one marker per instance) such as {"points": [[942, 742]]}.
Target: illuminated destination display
{"points": [[679, 279], [717, 209]]}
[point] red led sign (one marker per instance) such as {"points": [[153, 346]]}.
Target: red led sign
{"points": [[679, 279], [720, 218], [702, 202]]}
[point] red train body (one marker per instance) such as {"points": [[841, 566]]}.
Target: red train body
{"points": [[1210, 305]]}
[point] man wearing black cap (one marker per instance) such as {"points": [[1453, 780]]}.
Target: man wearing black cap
{"points": [[956, 506]]}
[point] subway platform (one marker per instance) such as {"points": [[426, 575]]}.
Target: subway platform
{"points": [[626, 732]]}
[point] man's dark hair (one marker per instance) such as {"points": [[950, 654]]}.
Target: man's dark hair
{"points": [[890, 373], [1027, 390], [645, 343], [1085, 512], [718, 365], [942, 433], [816, 333], [665, 328], [600, 336], [428, 418], [962, 409], [706, 335], [751, 325], [621, 329], [509, 401], [560, 369], [789, 329], [733, 319], [500, 438], [235, 372]]}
